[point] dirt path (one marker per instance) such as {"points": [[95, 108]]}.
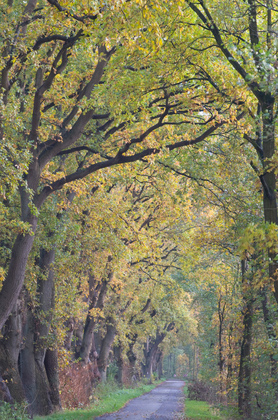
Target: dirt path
{"points": [[165, 402]]}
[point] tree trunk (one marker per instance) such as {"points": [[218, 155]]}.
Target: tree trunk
{"points": [[244, 376], [221, 363], [230, 361], [14, 280], [94, 359], [52, 372], [120, 363], [10, 345], [268, 180], [27, 366], [158, 363], [105, 348], [269, 320], [5, 394], [97, 293], [41, 384], [69, 325], [160, 369], [150, 352], [132, 358]]}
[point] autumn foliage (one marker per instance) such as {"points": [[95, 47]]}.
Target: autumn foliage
{"points": [[138, 213]]}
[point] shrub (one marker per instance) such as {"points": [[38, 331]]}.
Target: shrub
{"points": [[13, 411], [76, 384], [201, 391]]}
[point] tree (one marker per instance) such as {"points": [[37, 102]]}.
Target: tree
{"points": [[76, 128], [251, 53], [87, 88]]}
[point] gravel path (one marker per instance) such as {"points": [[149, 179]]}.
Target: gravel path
{"points": [[165, 402]]}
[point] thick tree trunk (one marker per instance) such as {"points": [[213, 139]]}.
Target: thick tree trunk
{"points": [[106, 347], [33, 374], [27, 366], [90, 322], [132, 359], [146, 365], [268, 180], [14, 280], [10, 345], [97, 293], [52, 372], [118, 354], [41, 384], [150, 352]]}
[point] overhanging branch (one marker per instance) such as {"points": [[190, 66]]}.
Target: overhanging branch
{"points": [[121, 159]]}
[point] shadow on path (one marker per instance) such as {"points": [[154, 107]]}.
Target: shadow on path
{"points": [[165, 402]]}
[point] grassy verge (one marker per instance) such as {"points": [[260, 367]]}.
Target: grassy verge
{"points": [[107, 398], [200, 410]]}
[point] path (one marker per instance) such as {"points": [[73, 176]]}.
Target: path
{"points": [[165, 402]]}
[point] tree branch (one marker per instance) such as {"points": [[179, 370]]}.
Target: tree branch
{"points": [[82, 19], [211, 26]]}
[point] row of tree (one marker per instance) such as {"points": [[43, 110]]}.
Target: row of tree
{"points": [[138, 141], [99, 275]]}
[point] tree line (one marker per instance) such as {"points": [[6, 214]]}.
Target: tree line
{"points": [[138, 183]]}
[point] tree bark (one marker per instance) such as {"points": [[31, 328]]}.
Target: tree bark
{"points": [[118, 354], [150, 352], [106, 347], [244, 376], [69, 325], [5, 394], [14, 280], [39, 373], [97, 293], [52, 372], [221, 362], [10, 346], [269, 320], [160, 368], [132, 359], [230, 367], [268, 180]]}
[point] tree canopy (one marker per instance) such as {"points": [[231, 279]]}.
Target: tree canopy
{"points": [[138, 194]]}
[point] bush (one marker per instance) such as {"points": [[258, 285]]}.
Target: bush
{"points": [[76, 384], [13, 412], [201, 391]]}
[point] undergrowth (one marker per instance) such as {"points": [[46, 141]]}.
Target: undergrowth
{"points": [[13, 412]]}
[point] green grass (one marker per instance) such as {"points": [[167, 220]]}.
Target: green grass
{"points": [[107, 398], [200, 410]]}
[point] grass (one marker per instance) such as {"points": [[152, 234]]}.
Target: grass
{"points": [[200, 410], [107, 399]]}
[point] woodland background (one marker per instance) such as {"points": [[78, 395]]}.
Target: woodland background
{"points": [[138, 209]]}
